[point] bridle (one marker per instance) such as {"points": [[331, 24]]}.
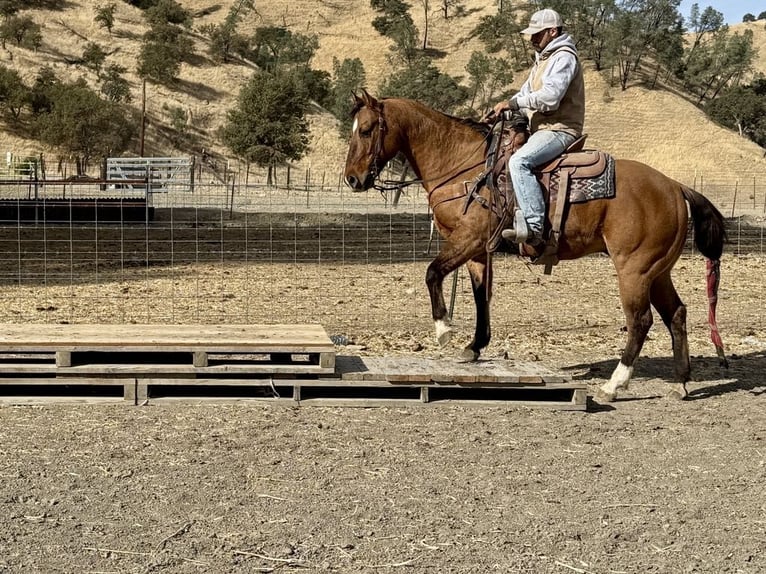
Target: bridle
{"points": [[385, 186]]}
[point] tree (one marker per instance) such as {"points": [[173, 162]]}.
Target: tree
{"points": [[503, 32], [105, 16], [396, 23], [14, 94], [167, 12], [718, 63], [748, 17], [348, 78], [762, 15], [224, 40], [457, 7], [22, 30], [702, 25], [81, 123], [276, 46], [268, 126], [159, 62], [641, 28], [424, 82], [114, 87], [93, 56], [740, 108], [489, 79], [589, 22]]}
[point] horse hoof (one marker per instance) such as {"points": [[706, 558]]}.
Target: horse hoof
{"points": [[603, 396], [443, 334], [679, 393], [468, 355]]}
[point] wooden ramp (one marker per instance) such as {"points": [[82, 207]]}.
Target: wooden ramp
{"points": [[291, 364]]}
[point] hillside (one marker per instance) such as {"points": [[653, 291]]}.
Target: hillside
{"points": [[657, 127]]}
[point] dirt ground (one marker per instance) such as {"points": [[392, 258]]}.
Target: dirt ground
{"points": [[645, 484]]}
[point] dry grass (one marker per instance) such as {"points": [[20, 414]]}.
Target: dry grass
{"points": [[655, 127]]}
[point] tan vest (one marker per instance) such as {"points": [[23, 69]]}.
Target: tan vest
{"points": [[570, 115]]}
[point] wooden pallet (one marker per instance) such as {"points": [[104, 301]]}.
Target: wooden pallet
{"points": [[76, 350], [291, 364], [106, 361]]}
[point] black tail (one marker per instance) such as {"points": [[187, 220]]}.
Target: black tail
{"points": [[709, 236], [709, 229]]}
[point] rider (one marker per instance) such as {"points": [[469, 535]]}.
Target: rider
{"points": [[553, 98]]}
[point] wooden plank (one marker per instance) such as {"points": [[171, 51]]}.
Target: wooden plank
{"points": [[301, 338], [412, 370], [130, 369], [63, 359]]}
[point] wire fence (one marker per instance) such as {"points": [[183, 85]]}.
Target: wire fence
{"points": [[257, 253]]}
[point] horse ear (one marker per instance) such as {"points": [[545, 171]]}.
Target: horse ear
{"points": [[369, 101], [358, 102]]}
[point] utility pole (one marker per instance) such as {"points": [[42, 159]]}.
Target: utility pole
{"points": [[143, 115]]}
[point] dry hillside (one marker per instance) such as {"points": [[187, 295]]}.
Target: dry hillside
{"points": [[656, 127]]}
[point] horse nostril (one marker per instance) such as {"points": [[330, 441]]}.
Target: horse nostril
{"points": [[352, 182]]}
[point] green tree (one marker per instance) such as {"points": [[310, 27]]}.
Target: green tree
{"points": [[164, 44], [489, 80], [424, 82], [93, 56], [701, 26], [722, 61], [348, 78], [502, 32], [268, 126], [167, 12], [589, 22], [40, 94], [276, 46], [23, 30], [224, 39], [740, 108], [159, 62], [641, 29], [748, 17], [105, 16], [114, 86], [14, 94], [81, 123], [396, 24]]}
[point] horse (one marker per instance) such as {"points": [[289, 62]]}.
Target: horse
{"points": [[642, 228]]}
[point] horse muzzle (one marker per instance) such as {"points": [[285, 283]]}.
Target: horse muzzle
{"points": [[360, 184]]}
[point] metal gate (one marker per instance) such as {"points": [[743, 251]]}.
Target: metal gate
{"points": [[162, 174]]}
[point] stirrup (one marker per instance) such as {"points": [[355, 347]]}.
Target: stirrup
{"points": [[520, 231]]}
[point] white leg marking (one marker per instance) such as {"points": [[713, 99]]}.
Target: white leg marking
{"points": [[620, 379], [443, 332]]}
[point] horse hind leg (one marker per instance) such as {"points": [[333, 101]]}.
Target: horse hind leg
{"points": [[665, 299], [638, 316]]}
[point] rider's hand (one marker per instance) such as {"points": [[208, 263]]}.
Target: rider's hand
{"points": [[500, 107], [506, 105]]}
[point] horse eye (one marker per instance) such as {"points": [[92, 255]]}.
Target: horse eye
{"points": [[366, 133]]}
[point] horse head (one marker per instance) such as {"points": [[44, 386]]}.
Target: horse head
{"points": [[367, 151]]}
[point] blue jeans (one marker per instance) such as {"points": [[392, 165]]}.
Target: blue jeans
{"points": [[542, 147]]}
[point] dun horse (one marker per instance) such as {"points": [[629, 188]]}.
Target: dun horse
{"points": [[642, 228]]}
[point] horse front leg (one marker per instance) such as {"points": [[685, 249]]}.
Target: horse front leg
{"points": [[435, 275], [454, 254], [481, 282]]}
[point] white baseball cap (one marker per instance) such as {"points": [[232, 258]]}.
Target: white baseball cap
{"points": [[542, 20]]}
